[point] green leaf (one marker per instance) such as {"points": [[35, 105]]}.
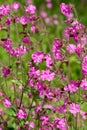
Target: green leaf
{"points": [[11, 111]]}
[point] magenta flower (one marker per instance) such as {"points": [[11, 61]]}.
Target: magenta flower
{"points": [[8, 45], [47, 75], [58, 55], [74, 108], [32, 125], [60, 123], [62, 109], [37, 109], [18, 51], [8, 21], [26, 40], [71, 48], [5, 71], [49, 94], [15, 6], [83, 114], [34, 72], [79, 49], [56, 49], [40, 87], [67, 33], [84, 84], [31, 9], [6, 102], [4, 10], [84, 66], [34, 28], [66, 10], [38, 57], [22, 50], [49, 61], [23, 20], [72, 86], [83, 40], [72, 32], [22, 114], [30, 81], [57, 44], [44, 119]]}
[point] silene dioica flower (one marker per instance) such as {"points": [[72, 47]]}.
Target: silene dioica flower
{"points": [[43, 83]]}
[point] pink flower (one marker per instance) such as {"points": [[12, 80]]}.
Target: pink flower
{"points": [[22, 50], [22, 114], [5, 71], [84, 84], [4, 10], [83, 114], [18, 51], [23, 20], [74, 108], [37, 109], [47, 75], [55, 22], [60, 123], [15, 6], [56, 44], [58, 55], [8, 45], [26, 40], [37, 57], [72, 86], [6, 102], [84, 66], [83, 39], [1, 128], [72, 32], [67, 33], [71, 48], [30, 81], [62, 109], [49, 5], [32, 125], [20, 88], [34, 29], [31, 9], [56, 49], [44, 119], [49, 61], [34, 72], [47, 20], [79, 49], [43, 14], [40, 88], [66, 10], [8, 21]]}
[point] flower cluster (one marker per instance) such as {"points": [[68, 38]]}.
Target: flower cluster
{"points": [[38, 88]]}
